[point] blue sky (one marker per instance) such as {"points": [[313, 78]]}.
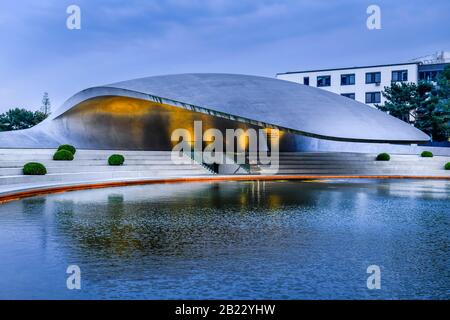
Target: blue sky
{"points": [[121, 40]]}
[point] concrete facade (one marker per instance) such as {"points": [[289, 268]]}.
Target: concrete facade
{"points": [[425, 68], [360, 87]]}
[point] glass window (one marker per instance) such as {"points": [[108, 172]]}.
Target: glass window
{"points": [[399, 75], [373, 77], [324, 81], [373, 97], [306, 81], [428, 75], [348, 95], [347, 79]]}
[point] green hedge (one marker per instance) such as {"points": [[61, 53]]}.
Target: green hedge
{"points": [[116, 160], [63, 155], [447, 166], [67, 147], [383, 157], [34, 169], [427, 154]]}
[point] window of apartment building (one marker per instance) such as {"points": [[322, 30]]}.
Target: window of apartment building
{"points": [[347, 79], [399, 75], [373, 97], [306, 81], [324, 81], [428, 75], [348, 95], [373, 77]]}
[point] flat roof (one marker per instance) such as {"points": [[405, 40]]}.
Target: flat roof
{"points": [[361, 67], [433, 66]]}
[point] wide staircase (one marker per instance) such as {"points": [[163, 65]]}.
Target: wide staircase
{"points": [[92, 166], [334, 163]]}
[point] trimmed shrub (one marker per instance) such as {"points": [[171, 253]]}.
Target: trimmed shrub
{"points": [[447, 166], [427, 154], [63, 155], [34, 169], [116, 160], [67, 147], [383, 157]]}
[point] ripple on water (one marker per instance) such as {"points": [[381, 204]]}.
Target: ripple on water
{"points": [[241, 240]]}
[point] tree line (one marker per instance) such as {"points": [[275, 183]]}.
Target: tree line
{"points": [[20, 118]]}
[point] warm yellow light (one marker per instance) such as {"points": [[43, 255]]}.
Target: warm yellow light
{"points": [[208, 136], [243, 142]]}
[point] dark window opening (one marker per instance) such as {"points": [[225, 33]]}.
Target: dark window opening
{"points": [[428, 75], [399, 75], [347, 79], [324, 81], [373, 77], [373, 97], [348, 95]]}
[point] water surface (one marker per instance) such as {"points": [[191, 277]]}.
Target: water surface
{"points": [[231, 240]]}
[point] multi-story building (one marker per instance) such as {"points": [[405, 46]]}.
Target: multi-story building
{"points": [[365, 84]]}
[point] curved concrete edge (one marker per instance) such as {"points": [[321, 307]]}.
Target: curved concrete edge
{"points": [[43, 190]]}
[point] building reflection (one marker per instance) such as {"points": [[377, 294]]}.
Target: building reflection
{"points": [[186, 220], [173, 221]]}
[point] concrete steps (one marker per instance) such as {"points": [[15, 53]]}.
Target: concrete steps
{"points": [[97, 176], [105, 168], [25, 151], [83, 156], [98, 162], [92, 165], [354, 164]]}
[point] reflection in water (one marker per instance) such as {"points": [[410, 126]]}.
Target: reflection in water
{"points": [[231, 240]]}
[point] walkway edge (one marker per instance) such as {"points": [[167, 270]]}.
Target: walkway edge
{"points": [[35, 191]]}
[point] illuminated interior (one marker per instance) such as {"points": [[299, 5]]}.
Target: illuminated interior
{"points": [[123, 122]]}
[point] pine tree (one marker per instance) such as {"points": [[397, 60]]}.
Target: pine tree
{"points": [[401, 101], [425, 105]]}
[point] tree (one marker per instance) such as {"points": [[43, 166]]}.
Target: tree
{"points": [[401, 101], [443, 84], [46, 106], [433, 113], [16, 119], [430, 116], [425, 105], [443, 106]]}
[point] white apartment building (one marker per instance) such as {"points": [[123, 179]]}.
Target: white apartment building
{"points": [[365, 84]]}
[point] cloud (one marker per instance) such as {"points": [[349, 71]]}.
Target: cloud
{"points": [[124, 39]]}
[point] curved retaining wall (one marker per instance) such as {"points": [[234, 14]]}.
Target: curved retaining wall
{"points": [[22, 193], [89, 169]]}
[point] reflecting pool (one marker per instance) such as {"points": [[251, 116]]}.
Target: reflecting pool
{"points": [[223, 240]]}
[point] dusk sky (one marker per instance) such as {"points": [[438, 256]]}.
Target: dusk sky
{"points": [[121, 40]]}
